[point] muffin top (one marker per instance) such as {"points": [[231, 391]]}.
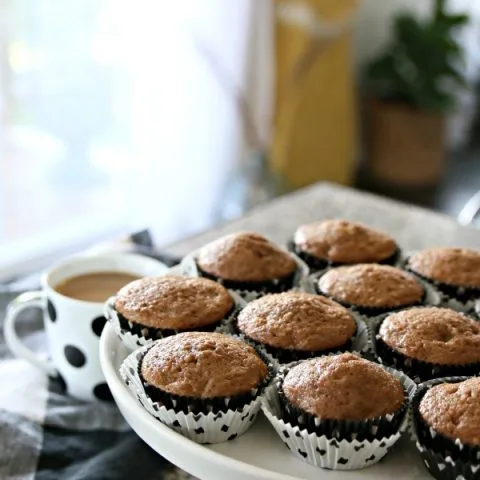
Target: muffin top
{"points": [[203, 365], [434, 335], [340, 241], [371, 285], [343, 387], [454, 266], [453, 409], [297, 321], [174, 302], [245, 257]]}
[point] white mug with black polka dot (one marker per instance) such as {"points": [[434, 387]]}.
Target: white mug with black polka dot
{"points": [[73, 326]]}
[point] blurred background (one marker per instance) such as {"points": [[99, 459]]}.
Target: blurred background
{"points": [[121, 115]]}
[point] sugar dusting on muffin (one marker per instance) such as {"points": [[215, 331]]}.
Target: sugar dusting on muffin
{"points": [[371, 285], [298, 321], [342, 241], [245, 257], [344, 387], [203, 365]]}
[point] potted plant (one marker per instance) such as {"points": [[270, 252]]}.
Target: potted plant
{"points": [[411, 88]]}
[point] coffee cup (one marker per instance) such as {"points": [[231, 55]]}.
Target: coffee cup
{"points": [[72, 299]]}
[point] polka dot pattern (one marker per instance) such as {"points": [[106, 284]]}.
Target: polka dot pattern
{"points": [[98, 324], [52, 313], [75, 356], [102, 392]]}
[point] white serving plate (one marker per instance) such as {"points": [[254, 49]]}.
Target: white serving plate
{"points": [[259, 454]]}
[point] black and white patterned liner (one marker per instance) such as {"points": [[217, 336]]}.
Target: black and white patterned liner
{"points": [[327, 452], [360, 343], [212, 427], [445, 468], [188, 267], [441, 464], [448, 301], [132, 341], [409, 366]]}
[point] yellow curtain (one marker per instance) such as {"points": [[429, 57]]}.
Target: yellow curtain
{"points": [[315, 130]]}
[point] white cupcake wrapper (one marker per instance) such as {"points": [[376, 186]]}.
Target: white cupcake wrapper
{"points": [[444, 466], [360, 343], [462, 307], [327, 452], [132, 341], [188, 267], [201, 427]]}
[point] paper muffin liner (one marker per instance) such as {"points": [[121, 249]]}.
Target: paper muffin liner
{"points": [[418, 370], [374, 428], [359, 343], [253, 290], [330, 451], [134, 335], [317, 264], [206, 421], [430, 298], [438, 444], [445, 468], [462, 299]]}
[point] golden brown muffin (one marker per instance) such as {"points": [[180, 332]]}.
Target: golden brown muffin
{"points": [[453, 409], [203, 365], [434, 335], [453, 266], [341, 241], [245, 257], [172, 302], [371, 285], [297, 321], [343, 387]]}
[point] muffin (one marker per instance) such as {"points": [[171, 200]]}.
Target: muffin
{"points": [[292, 325], [155, 307], [340, 242], [446, 418], [247, 261], [207, 385], [339, 411], [371, 288], [430, 342], [453, 271]]}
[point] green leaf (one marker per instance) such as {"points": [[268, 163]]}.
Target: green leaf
{"points": [[421, 60]]}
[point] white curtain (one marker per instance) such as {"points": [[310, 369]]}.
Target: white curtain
{"points": [[114, 110]]}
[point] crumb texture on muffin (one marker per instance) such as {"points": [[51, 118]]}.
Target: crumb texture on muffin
{"points": [[172, 302], [434, 335], [453, 409], [298, 321], [203, 365], [453, 266], [343, 387], [245, 257], [341, 241], [371, 285]]}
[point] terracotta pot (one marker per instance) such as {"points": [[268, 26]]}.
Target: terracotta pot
{"points": [[406, 146]]}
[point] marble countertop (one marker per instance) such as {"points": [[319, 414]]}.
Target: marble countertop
{"points": [[413, 227]]}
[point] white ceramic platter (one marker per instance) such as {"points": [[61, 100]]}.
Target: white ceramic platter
{"points": [[259, 454]]}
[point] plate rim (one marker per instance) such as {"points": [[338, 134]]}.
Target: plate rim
{"points": [[118, 389]]}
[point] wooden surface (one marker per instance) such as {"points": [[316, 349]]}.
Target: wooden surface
{"points": [[413, 227]]}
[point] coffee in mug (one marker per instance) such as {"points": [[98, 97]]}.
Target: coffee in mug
{"points": [[72, 299], [94, 287]]}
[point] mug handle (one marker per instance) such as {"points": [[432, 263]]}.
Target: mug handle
{"points": [[22, 302]]}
